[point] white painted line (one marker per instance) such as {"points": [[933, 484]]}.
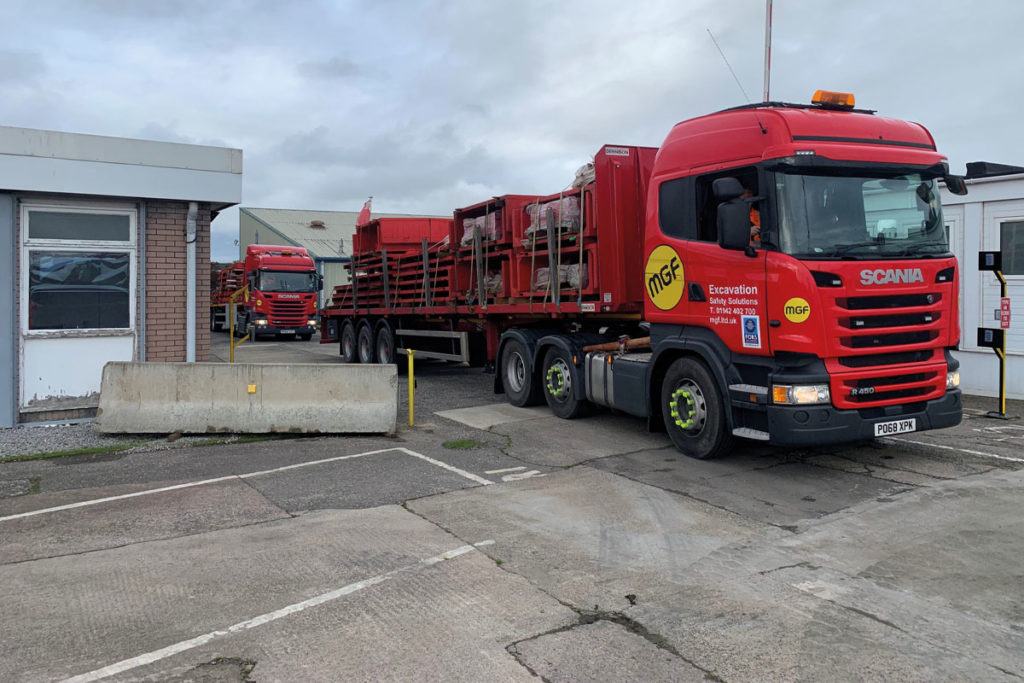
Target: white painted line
{"points": [[171, 650], [507, 469], [444, 465], [522, 475], [481, 544], [953, 448], [249, 475]]}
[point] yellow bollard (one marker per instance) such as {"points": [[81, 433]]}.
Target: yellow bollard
{"points": [[412, 386]]}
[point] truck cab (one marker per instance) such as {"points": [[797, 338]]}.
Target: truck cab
{"points": [[831, 321], [283, 284]]}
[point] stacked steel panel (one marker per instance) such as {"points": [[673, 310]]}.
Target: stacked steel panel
{"points": [[227, 281], [577, 251]]}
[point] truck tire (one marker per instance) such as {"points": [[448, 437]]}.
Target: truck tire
{"points": [[385, 347], [694, 413], [560, 378], [521, 387], [364, 343], [347, 346], [304, 337]]}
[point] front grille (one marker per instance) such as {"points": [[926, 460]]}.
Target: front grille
{"points": [[861, 391], [888, 395], [288, 313], [894, 379], [876, 359], [859, 303], [870, 322], [894, 339]]}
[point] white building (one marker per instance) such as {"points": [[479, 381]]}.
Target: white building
{"points": [[989, 218]]}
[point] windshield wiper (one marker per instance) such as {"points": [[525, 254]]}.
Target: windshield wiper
{"points": [[921, 248], [841, 249]]}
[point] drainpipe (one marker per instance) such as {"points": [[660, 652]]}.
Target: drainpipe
{"points": [[190, 283]]}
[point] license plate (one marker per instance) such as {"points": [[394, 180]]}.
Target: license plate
{"points": [[287, 331], [895, 427]]}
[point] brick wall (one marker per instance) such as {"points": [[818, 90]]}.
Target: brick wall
{"points": [[165, 269]]}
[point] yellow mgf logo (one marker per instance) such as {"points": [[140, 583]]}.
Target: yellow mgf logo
{"points": [[664, 277], [797, 310]]}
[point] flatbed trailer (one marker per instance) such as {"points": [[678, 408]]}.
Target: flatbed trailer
{"points": [[785, 265]]}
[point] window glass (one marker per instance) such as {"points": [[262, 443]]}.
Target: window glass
{"points": [[1011, 244], [286, 281], [859, 217], [707, 204], [78, 290], [57, 225], [676, 212]]}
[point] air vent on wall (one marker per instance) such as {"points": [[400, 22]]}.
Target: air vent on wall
{"points": [[317, 224]]}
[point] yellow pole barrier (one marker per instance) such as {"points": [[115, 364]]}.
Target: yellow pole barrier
{"points": [[412, 386], [231, 330]]}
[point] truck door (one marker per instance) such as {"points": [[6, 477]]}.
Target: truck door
{"points": [[726, 289]]}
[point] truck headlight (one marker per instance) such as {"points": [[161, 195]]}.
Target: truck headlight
{"points": [[311, 322], [262, 322], [953, 379], [801, 394]]}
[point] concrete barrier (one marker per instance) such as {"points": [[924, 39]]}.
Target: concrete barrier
{"points": [[139, 398]]}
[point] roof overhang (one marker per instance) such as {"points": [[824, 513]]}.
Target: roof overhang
{"points": [[72, 163]]}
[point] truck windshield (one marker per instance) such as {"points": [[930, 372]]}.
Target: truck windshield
{"points": [[285, 281], [850, 217]]}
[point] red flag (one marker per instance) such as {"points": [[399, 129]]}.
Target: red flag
{"points": [[364, 215]]}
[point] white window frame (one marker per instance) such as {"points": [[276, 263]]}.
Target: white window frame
{"points": [[129, 247]]}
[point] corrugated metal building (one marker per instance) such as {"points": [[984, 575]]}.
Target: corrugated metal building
{"points": [[326, 235]]}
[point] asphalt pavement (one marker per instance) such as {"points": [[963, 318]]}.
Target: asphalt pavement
{"points": [[491, 542]]}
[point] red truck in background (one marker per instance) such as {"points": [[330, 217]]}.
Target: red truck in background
{"points": [[647, 289], [283, 283]]}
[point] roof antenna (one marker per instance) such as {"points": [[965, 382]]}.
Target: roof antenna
{"points": [[745, 96]]}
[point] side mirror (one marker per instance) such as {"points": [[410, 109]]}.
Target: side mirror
{"points": [[734, 225], [726, 189], [956, 184], [319, 283]]}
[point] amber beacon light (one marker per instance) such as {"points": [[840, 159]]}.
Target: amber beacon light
{"points": [[827, 98]]}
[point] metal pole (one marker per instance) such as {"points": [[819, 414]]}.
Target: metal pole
{"points": [[767, 48]]}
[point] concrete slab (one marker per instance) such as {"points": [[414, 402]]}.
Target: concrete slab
{"points": [[759, 487], [133, 520], [561, 443], [603, 651], [485, 417], [247, 398], [392, 615], [589, 537]]}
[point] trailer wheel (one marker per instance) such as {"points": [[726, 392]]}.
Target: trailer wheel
{"points": [[364, 343], [560, 379], [348, 343], [385, 345], [694, 413], [521, 386]]}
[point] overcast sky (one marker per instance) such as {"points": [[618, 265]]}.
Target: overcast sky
{"points": [[429, 106]]}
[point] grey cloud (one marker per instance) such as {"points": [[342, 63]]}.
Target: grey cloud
{"points": [[336, 67], [21, 66]]}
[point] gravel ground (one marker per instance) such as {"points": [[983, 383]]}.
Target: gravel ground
{"points": [[33, 439]]}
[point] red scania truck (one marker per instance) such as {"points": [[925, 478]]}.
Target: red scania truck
{"points": [[283, 284], [646, 289]]}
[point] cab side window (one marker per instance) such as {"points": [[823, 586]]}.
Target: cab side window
{"points": [[676, 208], [707, 205]]}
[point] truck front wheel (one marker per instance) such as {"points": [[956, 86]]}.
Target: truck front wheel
{"points": [[560, 379], [348, 343], [521, 387], [693, 410]]}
